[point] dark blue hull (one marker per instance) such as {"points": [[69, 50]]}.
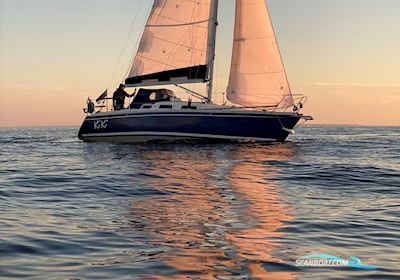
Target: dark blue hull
{"points": [[145, 126]]}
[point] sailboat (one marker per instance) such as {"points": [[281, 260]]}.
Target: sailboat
{"points": [[178, 48]]}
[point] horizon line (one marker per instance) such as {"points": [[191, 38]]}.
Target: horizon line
{"points": [[306, 124]]}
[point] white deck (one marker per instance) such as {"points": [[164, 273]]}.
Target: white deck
{"points": [[171, 107]]}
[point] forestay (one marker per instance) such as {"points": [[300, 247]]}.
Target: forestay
{"points": [[173, 48], [257, 76]]}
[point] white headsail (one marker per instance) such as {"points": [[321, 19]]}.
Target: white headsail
{"points": [[257, 75], [173, 47]]}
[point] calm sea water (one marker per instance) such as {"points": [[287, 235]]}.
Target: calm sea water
{"points": [[74, 210]]}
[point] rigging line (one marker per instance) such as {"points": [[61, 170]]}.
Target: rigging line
{"points": [[125, 44], [191, 92], [136, 47]]}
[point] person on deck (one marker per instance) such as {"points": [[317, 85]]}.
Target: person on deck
{"points": [[119, 97]]}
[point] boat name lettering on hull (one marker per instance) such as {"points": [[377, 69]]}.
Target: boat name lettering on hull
{"points": [[101, 124]]}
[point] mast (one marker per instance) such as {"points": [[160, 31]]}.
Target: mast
{"points": [[212, 35]]}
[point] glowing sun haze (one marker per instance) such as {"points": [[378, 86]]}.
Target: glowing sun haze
{"points": [[343, 54]]}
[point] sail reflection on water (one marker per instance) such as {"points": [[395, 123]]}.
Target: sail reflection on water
{"points": [[264, 211], [221, 211]]}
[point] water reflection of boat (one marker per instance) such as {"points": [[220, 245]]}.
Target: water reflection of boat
{"points": [[265, 210], [187, 220], [221, 211]]}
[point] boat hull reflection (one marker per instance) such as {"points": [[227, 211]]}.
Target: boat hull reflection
{"points": [[220, 212]]}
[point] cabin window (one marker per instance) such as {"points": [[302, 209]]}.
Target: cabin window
{"points": [[146, 106], [165, 106], [159, 96], [189, 107]]}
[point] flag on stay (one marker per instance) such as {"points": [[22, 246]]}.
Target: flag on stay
{"points": [[101, 97]]}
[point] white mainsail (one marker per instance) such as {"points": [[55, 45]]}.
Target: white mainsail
{"points": [[174, 44], [257, 76]]}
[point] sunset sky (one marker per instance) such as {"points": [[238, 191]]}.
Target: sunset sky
{"points": [[343, 54]]}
